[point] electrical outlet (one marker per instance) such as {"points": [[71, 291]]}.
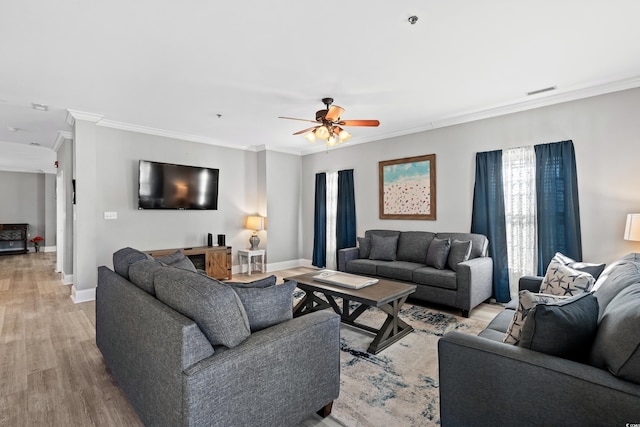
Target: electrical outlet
{"points": [[111, 215]]}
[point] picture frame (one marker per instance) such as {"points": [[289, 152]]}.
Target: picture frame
{"points": [[407, 188]]}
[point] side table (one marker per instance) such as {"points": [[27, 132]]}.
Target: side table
{"points": [[249, 255]]}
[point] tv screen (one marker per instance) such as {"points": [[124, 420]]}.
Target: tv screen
{"points": [[169, 186]]}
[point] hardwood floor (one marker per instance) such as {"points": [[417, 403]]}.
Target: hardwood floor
{"points": [[51, 372]]}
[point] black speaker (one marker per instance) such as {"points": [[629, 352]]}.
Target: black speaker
{"points": [[210, 240], [221, 240]]}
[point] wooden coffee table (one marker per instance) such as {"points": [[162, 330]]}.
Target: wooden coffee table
{"points": [[387, 295]]}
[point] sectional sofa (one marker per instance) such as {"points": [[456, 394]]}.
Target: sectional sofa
{"points": [[452, 269], [487, 382]]}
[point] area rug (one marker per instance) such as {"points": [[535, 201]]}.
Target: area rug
{"points": [[399, 385]]}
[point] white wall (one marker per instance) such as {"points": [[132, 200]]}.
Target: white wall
{"points": [[118, 153], [283, 206], [606, 134]]}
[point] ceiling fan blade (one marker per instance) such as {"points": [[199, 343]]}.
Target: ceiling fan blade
{"points": [[306, 130], [359, 123], [334, 113], [302, 120]]}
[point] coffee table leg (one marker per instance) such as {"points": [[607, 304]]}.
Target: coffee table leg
{"points": [[311, 302], [393, 328]]}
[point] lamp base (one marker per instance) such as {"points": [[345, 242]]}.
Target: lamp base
{"points": [[255, 241]]}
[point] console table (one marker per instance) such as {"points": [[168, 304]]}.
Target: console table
{"points": [[214, 260], [13, 239]]}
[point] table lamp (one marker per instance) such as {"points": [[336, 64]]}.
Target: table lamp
{"points": [[632, 230], [255, 223]]}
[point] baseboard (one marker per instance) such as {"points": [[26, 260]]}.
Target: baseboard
{"points": [[82, 295], [283, 265], [49, 249], [67, 279]]}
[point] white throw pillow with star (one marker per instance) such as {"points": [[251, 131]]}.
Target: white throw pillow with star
{"points": [[560, 279]]}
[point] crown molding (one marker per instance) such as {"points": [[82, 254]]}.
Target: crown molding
{"points": [[73, 115], [541, 100], [168, 134], [60, 138], [532, 102]]}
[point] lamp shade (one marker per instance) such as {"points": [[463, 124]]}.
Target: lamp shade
{"points": [[255, 223], [632, 230]]}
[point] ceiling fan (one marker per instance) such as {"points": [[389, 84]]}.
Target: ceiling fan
{"points": [[329, 126]]}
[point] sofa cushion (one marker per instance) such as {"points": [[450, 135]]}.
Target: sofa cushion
{"points": [[561, 279], [142, 274], [430, 276], [178, 260], [617, 343], [214, 306], [413, 246], [564, 328], [125, 257], [438, 253], [383, 248], [399, 270], [364, 247], [526, 301], [479, 242], [459, 252], [260, 283], [363, 266], [615, 278], [267, 306], [502, 321]]}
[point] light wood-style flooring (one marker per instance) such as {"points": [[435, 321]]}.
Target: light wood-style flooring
{"points": [[51, 372]]}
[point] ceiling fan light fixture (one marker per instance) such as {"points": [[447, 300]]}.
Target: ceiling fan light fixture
{"points": [[311, 137], [343, 135], [322, 132], [332, 141]]}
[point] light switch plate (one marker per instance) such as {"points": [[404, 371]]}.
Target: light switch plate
{"points": [[111, 215]]}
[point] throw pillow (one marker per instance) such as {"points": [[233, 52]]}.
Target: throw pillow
{"points": [[267, 306], [438, 253], [563, 280], [142, 274], [364, 247], [526, 301], [178, 260], [170, 259], [617, 343], [565, 328], [214, 306], [260, 283], [383, 248], [593, 269], [125, 257], [459, 252]]}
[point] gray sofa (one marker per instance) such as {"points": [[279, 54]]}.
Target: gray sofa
{"points": [[485, 382], [176, 374], [462, 285]]}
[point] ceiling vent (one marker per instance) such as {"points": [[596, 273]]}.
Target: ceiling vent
{"points": [[39, 107], [546, 89]]}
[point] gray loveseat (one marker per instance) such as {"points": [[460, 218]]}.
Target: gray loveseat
{"points": [[485, 382], [462, 283], [174, 370]]}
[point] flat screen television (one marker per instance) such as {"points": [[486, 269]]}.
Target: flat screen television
{"points": [[169, 186]]}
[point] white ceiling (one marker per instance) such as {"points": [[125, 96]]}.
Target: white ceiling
{"points": [[169, 68]]}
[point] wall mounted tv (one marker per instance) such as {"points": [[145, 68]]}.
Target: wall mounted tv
{"points": [[169, 186]]}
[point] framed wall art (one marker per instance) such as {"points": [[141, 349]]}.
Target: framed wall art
{"points": [[408, 188]]}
